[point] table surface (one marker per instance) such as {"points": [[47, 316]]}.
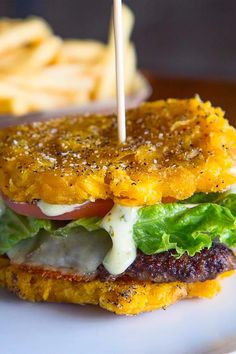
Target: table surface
{"points": [[220, 93]]}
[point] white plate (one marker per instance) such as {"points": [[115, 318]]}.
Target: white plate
{"points": [[190, 326]]}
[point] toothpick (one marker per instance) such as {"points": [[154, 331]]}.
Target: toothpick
{"points": [[120, 86]]}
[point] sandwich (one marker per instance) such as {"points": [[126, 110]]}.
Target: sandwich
{"points": [[130, 227]]}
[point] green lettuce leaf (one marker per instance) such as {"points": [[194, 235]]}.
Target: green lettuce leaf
{"points": [[14, 228], [163, 227], [204, 198], [226, 199], [90, 224], [229, 202]]}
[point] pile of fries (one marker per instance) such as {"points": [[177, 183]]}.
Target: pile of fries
{"points": [[40, 71]]}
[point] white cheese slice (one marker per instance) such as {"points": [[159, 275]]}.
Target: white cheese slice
{"points": [[81, 252]]}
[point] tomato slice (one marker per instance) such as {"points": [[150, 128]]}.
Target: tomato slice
{"points": [[98, 208], [167, 200]]}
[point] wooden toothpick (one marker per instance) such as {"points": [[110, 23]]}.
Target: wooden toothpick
{"points": [[120, 85]]}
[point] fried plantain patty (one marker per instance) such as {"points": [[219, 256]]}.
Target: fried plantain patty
{"points": [[121, 297], [174, 148], [159, 268]]}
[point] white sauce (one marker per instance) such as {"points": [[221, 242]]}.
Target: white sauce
{"points": [[119, 224], [56, 209], [190, 205]]}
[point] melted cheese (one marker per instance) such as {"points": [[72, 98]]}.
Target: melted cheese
{"points": [[82, 251], [119, 224]]}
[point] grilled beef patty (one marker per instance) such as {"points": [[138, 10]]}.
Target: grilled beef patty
{"points": [[159, 268], [164, 267]]}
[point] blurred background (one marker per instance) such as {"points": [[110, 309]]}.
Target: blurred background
{"points": [[187, 38]]}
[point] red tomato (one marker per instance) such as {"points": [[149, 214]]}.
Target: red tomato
{"points": [[166, 200], [98, 208]]}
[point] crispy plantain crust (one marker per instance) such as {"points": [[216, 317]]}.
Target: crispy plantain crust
{"points": [[120, 297], [174, 148]]}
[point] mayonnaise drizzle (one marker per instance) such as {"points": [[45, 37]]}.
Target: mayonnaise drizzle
{"points": [[56, 209], [119, 224]]}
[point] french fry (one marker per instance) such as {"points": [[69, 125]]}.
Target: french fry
{"points": [[12, 58], [107, 84], [29, 31], [139, 83], [55, 79], [80, 97], [128, 24], [64, 69], [14, 105], [12, 100], [80, 51], [31, 100], [29, 58], [130, 67], [40, 71], [38, 56], [6, 23]]}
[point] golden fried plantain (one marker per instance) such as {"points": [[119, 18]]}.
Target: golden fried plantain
{"points": [[123, 298], [174, 148]]}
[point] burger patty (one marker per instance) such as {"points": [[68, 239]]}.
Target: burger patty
{"points": [[165, 267], [159, 268]]}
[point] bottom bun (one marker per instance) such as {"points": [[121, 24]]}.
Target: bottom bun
{"points": [[121, 297]]}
